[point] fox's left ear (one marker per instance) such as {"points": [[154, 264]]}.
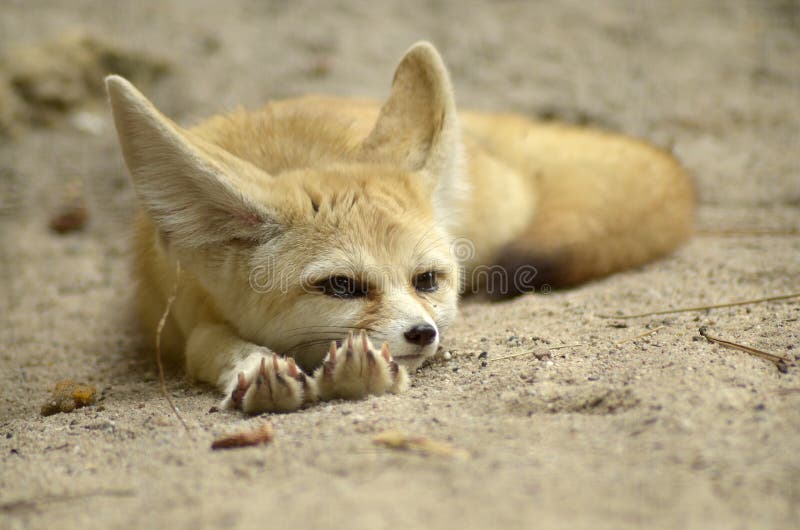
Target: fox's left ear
{"points": [[418, 125]]}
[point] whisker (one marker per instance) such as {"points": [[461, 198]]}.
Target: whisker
{"points": [[302, 328], [304, 345], [336, 332], [424, 238], [339, 338]]}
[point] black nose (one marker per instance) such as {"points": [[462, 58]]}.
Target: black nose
{"points": [[421, 335]]}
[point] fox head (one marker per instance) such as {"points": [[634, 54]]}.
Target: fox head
{"points": [[301, 230]]}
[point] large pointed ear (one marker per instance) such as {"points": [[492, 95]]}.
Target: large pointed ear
{"points": [[197, 193], [418, 126]]}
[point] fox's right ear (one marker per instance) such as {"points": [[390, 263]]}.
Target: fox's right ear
{"points": [[197, 193]]}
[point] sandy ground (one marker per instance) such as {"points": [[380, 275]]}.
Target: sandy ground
{"points": [[666, 431]]}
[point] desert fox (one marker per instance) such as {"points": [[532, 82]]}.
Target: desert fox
{"points": [[309, 229]]}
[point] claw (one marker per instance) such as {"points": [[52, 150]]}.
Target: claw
{"points": [[282, 380], [292, 369], [263, 378], [275, 363], [241, 388], [362, 370], [303, 380]]}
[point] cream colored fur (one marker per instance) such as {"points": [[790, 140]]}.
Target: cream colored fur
{"points": [[260, 208]]}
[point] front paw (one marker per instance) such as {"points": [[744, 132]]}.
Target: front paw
{"points": [[357, 369], [273, 385]]}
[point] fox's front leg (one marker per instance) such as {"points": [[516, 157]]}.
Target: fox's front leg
{"points": [[253, 378], [357, 369]]}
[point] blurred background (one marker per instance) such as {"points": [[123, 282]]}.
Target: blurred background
{"points": [[717, 82]]}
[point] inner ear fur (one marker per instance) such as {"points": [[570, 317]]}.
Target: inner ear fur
{"points": [[197, 193]]}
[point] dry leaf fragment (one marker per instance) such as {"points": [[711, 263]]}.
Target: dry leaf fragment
{"points": [[68, 396], [70, 218], [260, 434], [418, 444]]}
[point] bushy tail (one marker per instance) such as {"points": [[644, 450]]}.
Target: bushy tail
{"points": [[605, 203]]}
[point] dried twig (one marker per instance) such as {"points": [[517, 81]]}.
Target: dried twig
{"points": [[24, 505], [780, 362], [786, 391], [520, 354], [160, 328], [640, 336], [703, 308]]}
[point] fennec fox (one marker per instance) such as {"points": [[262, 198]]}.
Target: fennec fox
{"points": [[316, 227]]}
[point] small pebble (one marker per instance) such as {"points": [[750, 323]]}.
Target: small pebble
{"points": [[483, 355], [447, 356], [71, 218]]}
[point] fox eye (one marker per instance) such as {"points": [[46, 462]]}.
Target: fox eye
{"points": [[426, 282], [342, 287]]}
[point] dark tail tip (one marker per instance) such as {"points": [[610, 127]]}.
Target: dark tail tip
{"points": [[525, 272]]}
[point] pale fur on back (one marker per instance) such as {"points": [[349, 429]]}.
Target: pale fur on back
{"points": [[258, 206]]}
